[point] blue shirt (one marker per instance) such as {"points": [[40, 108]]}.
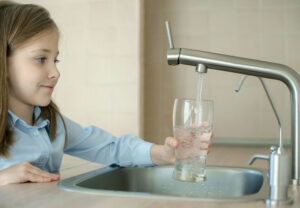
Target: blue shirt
{"points": [[33, 144]]}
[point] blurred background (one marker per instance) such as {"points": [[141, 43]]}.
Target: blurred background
{"points": [[114, 72]]}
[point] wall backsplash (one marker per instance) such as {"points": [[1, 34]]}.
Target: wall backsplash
{"points": [[114, 72], [256, 29]]}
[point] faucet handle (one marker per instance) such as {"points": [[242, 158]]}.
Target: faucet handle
{"points": [[169, 35], [254, 157], [273, 150]]}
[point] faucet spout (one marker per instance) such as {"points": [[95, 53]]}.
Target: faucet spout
{"points": [[256, 68]]}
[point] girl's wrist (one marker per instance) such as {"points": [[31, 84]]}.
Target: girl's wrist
{"points": [[154, 152], [159, 155]]}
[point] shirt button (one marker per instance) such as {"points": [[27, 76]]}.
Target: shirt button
{"points": [[35, 133]]}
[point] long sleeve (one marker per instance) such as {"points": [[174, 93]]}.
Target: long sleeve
{"points": [[96, 145]]}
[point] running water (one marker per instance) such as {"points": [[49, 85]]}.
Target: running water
{"points": [[199, 97], [199, 86]]}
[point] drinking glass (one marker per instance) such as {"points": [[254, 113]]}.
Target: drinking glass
{"points": [[192, 127]]}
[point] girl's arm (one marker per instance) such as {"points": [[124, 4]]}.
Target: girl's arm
{"points": [[25, 172], [97, 145]]}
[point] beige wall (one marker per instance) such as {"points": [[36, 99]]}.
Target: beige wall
{"points": [[113, 62], [259, 29], [100, 62]]}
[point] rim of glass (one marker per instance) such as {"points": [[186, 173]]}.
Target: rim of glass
{"points": [[193, 100]]}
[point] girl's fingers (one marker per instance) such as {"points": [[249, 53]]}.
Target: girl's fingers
{"points": [[25, 172], [37, 171], [37, 178], [42, 173], [171, 142], [204, 146]]}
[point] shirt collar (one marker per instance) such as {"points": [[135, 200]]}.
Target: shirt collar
{"points": [[14, 119]]}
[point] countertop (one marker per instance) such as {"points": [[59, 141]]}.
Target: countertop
{"points": [[49, 195]]}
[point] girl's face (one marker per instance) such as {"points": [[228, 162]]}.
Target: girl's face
{"points": [[32, 71]]}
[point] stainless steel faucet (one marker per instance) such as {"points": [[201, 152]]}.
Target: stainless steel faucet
{"points": [[205, 60]]}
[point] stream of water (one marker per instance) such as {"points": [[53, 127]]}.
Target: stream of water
{"points": [[199, 97]]}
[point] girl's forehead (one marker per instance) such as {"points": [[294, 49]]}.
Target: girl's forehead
{"points": [[47, 40]]}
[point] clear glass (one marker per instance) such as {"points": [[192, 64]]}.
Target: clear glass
{"points": [[192, 127]]}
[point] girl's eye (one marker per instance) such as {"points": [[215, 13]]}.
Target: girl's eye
{"points": [[41, 59], [56, 61]]}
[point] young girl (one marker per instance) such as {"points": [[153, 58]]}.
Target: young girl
{"points": [[33, 133]]}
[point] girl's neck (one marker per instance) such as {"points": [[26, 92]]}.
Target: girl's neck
{"points": [[23, 111]]}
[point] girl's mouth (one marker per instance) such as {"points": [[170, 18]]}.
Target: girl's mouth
{"points": [[48, 87]]}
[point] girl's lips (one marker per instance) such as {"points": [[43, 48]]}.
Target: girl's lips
{"points": [[48, 87]]}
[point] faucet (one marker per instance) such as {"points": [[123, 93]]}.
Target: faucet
{"points": [[206, 60]]}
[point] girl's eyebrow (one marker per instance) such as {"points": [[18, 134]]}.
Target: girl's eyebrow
{"points": [[44, 50]]}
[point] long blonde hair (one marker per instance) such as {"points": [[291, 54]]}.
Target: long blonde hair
{"points": [[18, 23]]}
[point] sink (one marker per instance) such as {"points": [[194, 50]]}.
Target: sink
{"points": [[221, 184]]}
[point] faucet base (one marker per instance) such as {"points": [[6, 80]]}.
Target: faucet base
{"points": [[270, 202], [295, 182]]}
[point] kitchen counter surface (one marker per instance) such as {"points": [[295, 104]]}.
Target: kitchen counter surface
{"points": [[49, 195]]}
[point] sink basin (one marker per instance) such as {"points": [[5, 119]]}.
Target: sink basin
{"points": [[221, 184]]}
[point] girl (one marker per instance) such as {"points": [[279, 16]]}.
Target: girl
{"points": [[33, 133]]}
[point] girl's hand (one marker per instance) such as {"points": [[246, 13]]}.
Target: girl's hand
{"points": [[164, 154], [24, 172]]}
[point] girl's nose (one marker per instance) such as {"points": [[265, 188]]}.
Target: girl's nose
{"points": [[54, 73]]}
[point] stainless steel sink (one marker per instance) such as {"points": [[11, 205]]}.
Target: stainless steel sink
{"points": [[221, 184]]}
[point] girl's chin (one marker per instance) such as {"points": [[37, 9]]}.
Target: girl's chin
{"points": [[44, 103]]}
